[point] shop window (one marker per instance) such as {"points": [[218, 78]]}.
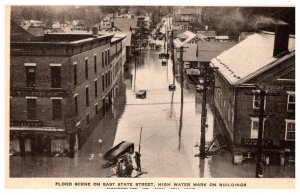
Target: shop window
{"points": [[290, 130]]}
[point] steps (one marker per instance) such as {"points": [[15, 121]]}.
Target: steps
{"points": [[221, 141], [218, 141]]}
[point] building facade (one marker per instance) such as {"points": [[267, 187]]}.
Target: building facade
{"points": [[58, 87], [258, 60]]}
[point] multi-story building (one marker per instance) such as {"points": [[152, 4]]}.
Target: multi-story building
{"points": [[266, 59], [58, 86], [190, 14]]}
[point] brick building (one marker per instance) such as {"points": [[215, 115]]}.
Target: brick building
{"points": [[267, 59], [58, 86]]}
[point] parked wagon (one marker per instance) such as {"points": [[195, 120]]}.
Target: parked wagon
{"points": [[141, 94], [117, 151], [164, 62], [172, 87]]}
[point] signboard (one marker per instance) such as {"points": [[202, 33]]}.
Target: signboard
{"points": [[37, 93], [192, 71], [253, 143], [26, 123]]}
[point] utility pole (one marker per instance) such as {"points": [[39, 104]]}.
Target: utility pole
{"points": [[203, 115], [181, 95], [206, 82], [173, 56], [133, 38], [262, 93]]}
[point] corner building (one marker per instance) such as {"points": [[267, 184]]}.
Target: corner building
{"points": [[58, 86]]}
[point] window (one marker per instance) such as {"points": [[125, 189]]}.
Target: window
{"points": [[55, 77], [95, 63], [96, 108], [76, 104], [256, 101], [232, 116], [30, 76], [111, 77], [108, 55], [291, 101], [31, 108], [87, 118], [86, 68], [228, 114], [75, 73], [290, 130], [106, 80], [254, 127], [87, 96], [105, 57], [108, 75], [96, 90], [103, 87], [102, 59], [56, 109]]}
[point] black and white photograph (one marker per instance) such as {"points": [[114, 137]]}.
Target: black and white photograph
{"points": [[115, 92]]}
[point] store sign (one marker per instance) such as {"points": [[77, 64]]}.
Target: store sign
{"points": [[26, 123], [247, 142], [37, 93], [192, 71]]}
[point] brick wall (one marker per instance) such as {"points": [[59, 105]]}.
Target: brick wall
{"points": [[224, 101], [276, 106], [43, 71]]}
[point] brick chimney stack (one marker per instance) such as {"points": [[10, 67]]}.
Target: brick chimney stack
{"points": [[95, 31], [281, 42]]}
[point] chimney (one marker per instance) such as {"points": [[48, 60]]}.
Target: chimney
{"points": [[281, 42], [265, 26], [95, 31]]}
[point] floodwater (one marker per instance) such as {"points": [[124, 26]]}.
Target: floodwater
{"points": [[170, 130]]}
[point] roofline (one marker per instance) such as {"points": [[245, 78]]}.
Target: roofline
{"points": [[264, 68], [73, 43]]}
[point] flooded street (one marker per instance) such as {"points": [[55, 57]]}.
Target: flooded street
{"points": [[170, 131]]}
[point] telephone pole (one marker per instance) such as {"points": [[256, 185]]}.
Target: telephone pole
{"points": [[207, 79], [262, 93], [203, 115]]}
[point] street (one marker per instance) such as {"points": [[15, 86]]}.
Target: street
{"points": [[168, 139]]}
